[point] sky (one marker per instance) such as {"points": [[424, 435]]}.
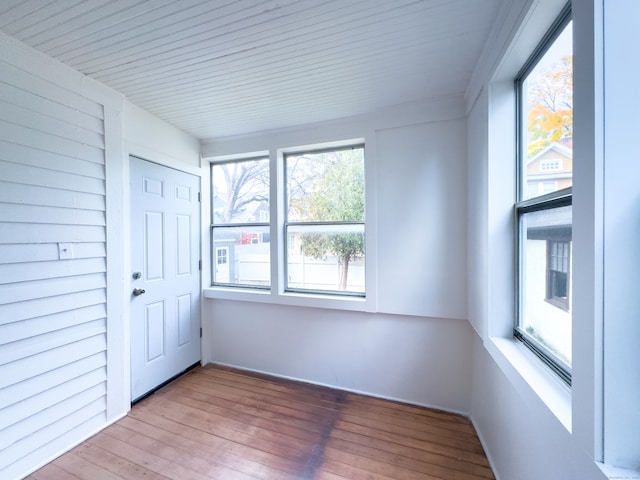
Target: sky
{"points": [[561, 47]]}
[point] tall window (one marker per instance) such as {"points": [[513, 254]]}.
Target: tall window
{"points": [[324, 224], [543, 209], [240, 223]]}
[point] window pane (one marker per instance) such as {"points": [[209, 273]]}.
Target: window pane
{"points": [[240, 192], [326, 186], [546, 279], [547, 120], [241, 256], [326, 258]]}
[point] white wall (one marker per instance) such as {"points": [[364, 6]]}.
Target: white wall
{"points": [[621, 328], [421, 223], [415, 359], [411, 344], [148, 137], [522, 438], [477, 217]]}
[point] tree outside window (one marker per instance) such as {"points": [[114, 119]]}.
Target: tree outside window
{"points": [[544, 204], [325, 220]]}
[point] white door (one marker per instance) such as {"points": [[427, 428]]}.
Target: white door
{"points": [[165, 255]]}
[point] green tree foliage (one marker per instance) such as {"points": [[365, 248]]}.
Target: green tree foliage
{"points": [[550, 103], [332, 191]]}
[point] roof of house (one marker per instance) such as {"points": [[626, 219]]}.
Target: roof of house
{"points": [[557, 147]]}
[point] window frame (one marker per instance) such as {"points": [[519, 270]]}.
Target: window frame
{"points": [[275, 150], [284, 195], [559, 198], [214, 226]]}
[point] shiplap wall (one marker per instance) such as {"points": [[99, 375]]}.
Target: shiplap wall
{"points": [[53, 313]]}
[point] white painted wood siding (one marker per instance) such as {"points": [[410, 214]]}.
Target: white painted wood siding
{"points": [[53, 327], [229, 67]]}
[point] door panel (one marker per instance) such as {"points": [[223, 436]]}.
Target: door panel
{"points": [[153, 239], [154, 331], [165, 246], [183, 254], [184, 319]]}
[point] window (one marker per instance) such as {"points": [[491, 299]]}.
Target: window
{"points": [[549, 165], [558, 273], [317, 224], [240, 223], [222, 255], [324, 224], [544, 92]]}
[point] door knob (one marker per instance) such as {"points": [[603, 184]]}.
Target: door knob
{"points": [[137, 292]]}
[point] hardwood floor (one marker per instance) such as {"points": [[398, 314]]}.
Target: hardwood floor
{"points": [[221, 423]]}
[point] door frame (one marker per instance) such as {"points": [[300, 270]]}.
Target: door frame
{"points": [[125, 265]]}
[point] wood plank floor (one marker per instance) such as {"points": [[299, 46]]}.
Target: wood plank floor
{"points": [[220, 423]]}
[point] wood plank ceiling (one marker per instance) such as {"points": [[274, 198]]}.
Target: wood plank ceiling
{"points": [[216, 68]]}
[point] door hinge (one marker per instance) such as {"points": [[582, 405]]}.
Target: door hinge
{"points": [[200, 332], [200, 264]]}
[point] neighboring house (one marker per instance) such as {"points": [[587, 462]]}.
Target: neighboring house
{"points": [[551, 169], [547, 279], [242, 255], [548, 251]]}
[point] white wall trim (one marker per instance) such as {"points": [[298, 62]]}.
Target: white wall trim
{"points": [[431, 110], [500, 37], [616, 167], [485, 447], [117, 323]]}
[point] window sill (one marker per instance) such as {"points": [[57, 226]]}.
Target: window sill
{"points": [[527, 373], [334, 302], [615, 473]]}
